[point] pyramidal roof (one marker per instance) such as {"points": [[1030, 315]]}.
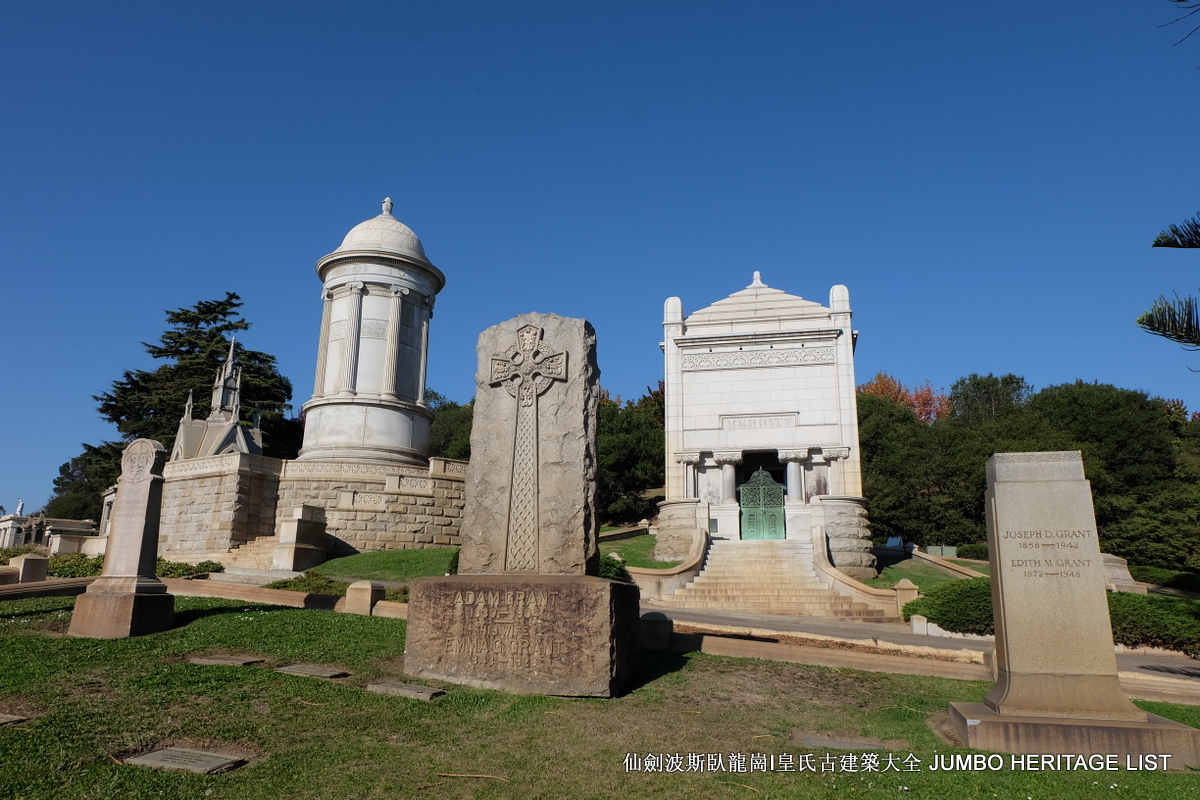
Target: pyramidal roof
{"points": [[758, 301]]}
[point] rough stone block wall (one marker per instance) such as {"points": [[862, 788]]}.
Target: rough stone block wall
{"points": [[213, 504], [378, 508]]}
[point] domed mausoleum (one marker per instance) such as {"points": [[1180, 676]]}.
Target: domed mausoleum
{"points": [[363, 479], [368, 401]]}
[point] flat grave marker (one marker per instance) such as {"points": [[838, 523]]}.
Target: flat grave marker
{"points": [[182, 759], [11, 719], [226, 661], [313, 671], [409, 690]]}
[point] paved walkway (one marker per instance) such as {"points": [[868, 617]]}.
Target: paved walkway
{"points": [[1171, 678]]}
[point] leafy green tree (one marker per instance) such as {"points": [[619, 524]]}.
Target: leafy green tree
{"points": [[148, 404], [630, 447], [1126, 430], [978, 398], [450, 430], [82, 482]]}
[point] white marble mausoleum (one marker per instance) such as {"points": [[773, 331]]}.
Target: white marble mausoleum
{"points": [[363, 479], [761, 424]]}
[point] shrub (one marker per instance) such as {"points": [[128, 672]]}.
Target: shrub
{"points": [[976, 550], [1142, 620], [614, 570], [312, 583], [174, 569], [74, 565], [1161, 576], [960, 606], [12, 552]]}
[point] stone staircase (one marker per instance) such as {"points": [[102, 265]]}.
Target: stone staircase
{"points": [[768, 576], [255, 554]]}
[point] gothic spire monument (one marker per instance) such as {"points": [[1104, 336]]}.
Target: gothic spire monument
{"points": [[368, 403], [222, 432]]}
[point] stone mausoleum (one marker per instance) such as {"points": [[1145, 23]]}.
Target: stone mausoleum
{"points": [[761, 425], [363, 479]]}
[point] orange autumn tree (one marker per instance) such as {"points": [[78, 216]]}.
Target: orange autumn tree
{"points": [[928, 404]]}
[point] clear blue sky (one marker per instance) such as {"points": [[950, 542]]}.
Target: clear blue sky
{"points": [[985, 177]]}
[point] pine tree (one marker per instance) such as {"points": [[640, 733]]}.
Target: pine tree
{"points": [[148, 404]]}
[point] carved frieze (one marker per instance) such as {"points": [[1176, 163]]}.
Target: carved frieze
{"points": [[741, 359]]}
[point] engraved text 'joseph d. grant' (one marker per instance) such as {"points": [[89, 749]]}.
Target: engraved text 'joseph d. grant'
{"points": [[526, 371]]}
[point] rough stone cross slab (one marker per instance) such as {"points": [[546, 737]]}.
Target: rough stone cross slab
{"points": [[526, 370]]}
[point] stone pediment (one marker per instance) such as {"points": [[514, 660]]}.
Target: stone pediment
{"points": [[758, 302]]}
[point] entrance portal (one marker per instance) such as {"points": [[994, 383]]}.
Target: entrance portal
{"points": [[761, 500]]}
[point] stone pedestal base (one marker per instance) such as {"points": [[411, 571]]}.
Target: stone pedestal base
{"points": [[980, 728], [538, 634], [114, 608]]}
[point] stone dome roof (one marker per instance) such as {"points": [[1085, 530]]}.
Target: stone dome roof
{"points": [[383, 234]]}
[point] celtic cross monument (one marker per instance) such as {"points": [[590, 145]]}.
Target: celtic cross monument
{"points": [[526, 612]]}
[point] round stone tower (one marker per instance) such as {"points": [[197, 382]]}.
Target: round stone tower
{"points": [[368, 403]]}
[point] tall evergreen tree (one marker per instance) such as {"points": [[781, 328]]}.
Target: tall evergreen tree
{"points": [[149, 403]]}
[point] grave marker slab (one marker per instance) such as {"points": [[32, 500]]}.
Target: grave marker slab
{"points": [[11, 719], [225, 661], [182, 759], [1057, 689], [313, 671], [409, 690], [524, 614], [128, 599]]}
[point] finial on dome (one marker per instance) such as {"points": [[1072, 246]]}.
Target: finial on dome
{"points": [[757, 281], [387, 205]]}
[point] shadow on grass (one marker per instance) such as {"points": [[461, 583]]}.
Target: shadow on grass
{"points": [[194, 614], [658, 663], [888, 557]]}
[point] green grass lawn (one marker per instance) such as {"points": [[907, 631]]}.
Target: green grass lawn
{"points": [[894, 567], [93, 702], [637, 552], [391, 565], [981, 567]]}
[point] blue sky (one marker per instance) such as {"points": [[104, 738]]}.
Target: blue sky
{"points": [[985, 178]]}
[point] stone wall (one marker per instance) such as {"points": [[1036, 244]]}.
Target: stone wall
{"points": [[372, 507], [212, 505]]}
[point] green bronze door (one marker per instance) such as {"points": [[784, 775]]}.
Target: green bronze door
{"points": [[761, 500]]}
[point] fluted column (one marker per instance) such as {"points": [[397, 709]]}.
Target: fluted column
{"points": [[323, 346], [393, 342], [426, 312], [349, 377]]}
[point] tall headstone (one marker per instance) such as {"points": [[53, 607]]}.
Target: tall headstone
{"points": [[525, 613], [128, 599], [1057, 689], [531, 484]]}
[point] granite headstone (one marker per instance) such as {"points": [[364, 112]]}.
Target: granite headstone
{"points": [[128, 599], [525, 613], [1057, 689]]}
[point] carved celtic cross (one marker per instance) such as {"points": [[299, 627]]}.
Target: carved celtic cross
{"points": [[526, 371]]}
